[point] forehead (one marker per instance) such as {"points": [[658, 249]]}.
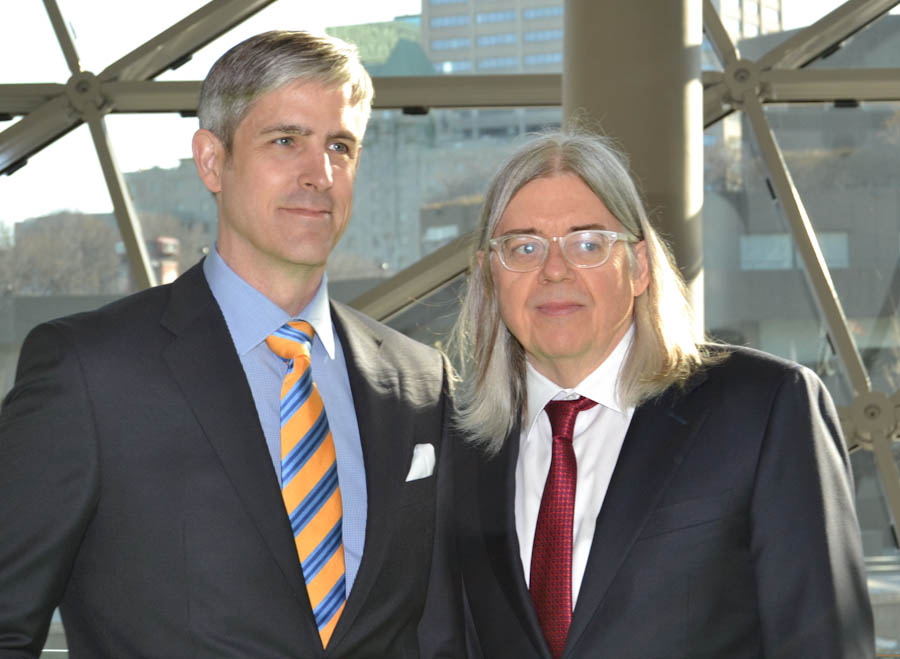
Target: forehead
{"points": [[556, 204], [311, 104]]}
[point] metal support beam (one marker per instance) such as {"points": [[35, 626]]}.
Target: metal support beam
{"points": [[718, 37], [468, 91], [126, 217], [529, 90], [710, 78], [152, 96], [63, 36], [809, 44], [805, 239], [716, 105], [19, 99], [872, 420], [85, 96], [41, 127], [830, 85], [182, 39]]}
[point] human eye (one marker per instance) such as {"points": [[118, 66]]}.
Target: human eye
{"points": [[589, 241], [341, 148], [522, 245], [283, 140]]}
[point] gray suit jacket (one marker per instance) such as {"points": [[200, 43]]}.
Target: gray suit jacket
{"points": [[137, 493], [728, 530]]}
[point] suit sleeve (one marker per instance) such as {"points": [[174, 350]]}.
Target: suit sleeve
{"points": [[441, 634], [48, 487], [813, 600]]}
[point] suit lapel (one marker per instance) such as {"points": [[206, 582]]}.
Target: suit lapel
{"points": [[497, 495], [373, 384], [208, 371], [659, 436]]}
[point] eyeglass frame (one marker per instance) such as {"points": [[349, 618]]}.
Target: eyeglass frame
{"points": [[612, 237]]}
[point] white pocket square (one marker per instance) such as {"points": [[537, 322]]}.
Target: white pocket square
{"points": [[422, 462]]}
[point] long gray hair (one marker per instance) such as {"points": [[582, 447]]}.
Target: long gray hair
{"points": [[267, 61], [665, 350]]}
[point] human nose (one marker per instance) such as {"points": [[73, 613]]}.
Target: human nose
{"points": [[556, 267], [317, 171]]}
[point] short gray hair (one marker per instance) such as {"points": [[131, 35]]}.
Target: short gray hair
{"points": [[264, 63], [665, 351]]}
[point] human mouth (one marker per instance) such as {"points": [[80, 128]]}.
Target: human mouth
{"points": [[559, 308], [308, 212]]}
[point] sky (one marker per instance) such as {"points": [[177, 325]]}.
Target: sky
{"points": [[66, 175]]}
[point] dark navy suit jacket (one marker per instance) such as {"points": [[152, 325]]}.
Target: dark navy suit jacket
{"points": [[728, 530], [137, 492]]}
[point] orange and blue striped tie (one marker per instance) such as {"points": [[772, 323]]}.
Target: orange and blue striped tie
{"points": [[309, 479]]}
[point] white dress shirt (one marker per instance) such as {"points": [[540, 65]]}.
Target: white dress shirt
{"points": [[597, 440]]}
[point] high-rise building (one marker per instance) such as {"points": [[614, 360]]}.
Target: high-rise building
{"points": [[493, 36]]}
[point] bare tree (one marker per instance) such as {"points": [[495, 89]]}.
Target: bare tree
{"points": [[65, 254]]}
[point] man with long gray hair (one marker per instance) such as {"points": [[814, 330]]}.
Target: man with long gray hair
{"points": [[626, 490], [234, 465]]}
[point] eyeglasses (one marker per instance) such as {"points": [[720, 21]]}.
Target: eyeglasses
{"points": [[525, 252]]}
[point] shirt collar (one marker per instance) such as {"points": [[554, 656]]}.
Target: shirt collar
{"points": [[251, 316], [601, 384]]}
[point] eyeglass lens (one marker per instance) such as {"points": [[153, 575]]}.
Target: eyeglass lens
{"points": [[582, 248]]}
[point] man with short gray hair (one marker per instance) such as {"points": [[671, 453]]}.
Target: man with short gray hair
{"points": [[235, 465]]}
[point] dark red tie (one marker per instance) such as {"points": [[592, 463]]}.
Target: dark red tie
{"points": [[551, 557]]}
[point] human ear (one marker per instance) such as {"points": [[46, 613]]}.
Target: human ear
{"points": [[640, 271], [209, 158]]}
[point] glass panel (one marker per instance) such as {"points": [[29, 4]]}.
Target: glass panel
{"points": [[431, 319], [63, 176], [29, 51], [410, 37], [55, 647], [795, 15], [177, 213], [884, 588], [842, 161], [420, 185], [709, 61], [105, 32], [388, 34], [874, 46], [57, 243], [801, 13]]}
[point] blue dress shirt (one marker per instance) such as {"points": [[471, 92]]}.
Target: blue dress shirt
{"points": [[251, 317]]}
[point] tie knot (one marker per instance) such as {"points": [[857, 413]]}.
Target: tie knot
{"points": [[562, 414], [291, 340]]}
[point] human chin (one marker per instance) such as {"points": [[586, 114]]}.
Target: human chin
{"points": [[559, 343]]}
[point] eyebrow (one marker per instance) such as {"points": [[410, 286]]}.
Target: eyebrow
{"points": [[293, 129], [303, 131], [580, 227]]}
